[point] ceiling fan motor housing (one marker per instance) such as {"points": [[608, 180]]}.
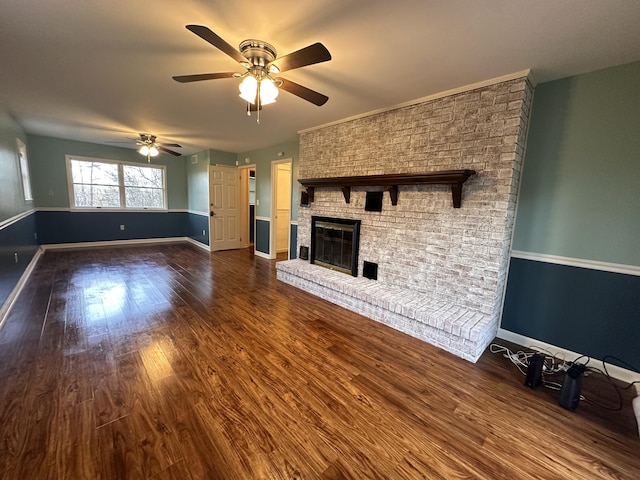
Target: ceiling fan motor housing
{"points": [[259, 53]]}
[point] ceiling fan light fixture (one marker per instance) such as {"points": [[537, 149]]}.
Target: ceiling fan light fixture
{"points": [[261, 61], [153, 151], [268, 91], [144, 150], [249, 88]]}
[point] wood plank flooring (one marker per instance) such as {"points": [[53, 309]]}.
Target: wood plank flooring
{"points": [[165, 362]]}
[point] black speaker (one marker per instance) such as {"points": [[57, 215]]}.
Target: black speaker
{"points": [[571, 387]]}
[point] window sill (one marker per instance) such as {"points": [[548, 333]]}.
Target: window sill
{"points": [[120, 210]]}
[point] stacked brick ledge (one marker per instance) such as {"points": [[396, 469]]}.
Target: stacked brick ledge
{"points": [[453, 328]]}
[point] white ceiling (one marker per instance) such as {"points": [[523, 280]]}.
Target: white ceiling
{"points": [[101, 71]]}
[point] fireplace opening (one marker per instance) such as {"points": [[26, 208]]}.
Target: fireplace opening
{"points": [[334, 243]]}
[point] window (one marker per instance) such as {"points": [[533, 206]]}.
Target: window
{"points": [[110, 184], [24, 170]]}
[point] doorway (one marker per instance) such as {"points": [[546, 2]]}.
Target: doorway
{"points": [[281, 174], [248, 204]]}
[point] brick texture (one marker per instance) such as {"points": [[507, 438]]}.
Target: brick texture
{"points": [[424, 245]]}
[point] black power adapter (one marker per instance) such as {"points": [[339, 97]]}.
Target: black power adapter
{"points": [[534, 371], [571, 387]]}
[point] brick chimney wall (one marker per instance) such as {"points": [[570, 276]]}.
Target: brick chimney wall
{"points": [[423, 244]]}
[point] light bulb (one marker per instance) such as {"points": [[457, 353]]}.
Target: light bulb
{"points": [[248, 89], [153, 151], [268, 91], [144, 150]]}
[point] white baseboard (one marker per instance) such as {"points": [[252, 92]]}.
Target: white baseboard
{"points": [[257, 253], [615, 371], [8, 303], [198, 244]]}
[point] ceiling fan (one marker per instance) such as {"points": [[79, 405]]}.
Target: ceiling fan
{"points": [[148, 146], [261, 61]]}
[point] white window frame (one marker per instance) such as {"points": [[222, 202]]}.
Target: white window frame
{"points": [[24, 170], [123, 200]]}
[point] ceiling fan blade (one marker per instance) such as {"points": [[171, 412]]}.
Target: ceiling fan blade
{"points": [[207, 35], [166, 150], [202, 76], [316, 53], [170, 145], [303, 92]]}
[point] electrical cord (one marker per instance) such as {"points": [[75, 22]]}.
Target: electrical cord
{"points": [[556, 363], [615, 388], [604, 366], [551, 366]]}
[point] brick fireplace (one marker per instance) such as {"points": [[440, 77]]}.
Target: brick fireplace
{"points": [[441, 271]]}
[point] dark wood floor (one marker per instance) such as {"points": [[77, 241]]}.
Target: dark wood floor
{"points": [[164, 362]]}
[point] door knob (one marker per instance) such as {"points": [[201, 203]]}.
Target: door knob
{"points": [[212, 213]]}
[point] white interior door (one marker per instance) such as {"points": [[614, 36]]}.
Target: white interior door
{"points": [[224, 208], [283, 207]]}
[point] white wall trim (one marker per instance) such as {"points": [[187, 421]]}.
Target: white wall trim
{"points": [[119, 210], [263, 219], [615, 371], [198, 244], [578, 262], [435, 96], [294, 222], [260, 254], [53, 209], [8, 303], [193, 212], [16, 218]]}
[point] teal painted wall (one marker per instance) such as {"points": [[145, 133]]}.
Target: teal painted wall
{"points": [[262, 159], [580, 190], [49, 171], [580, 198], [12, 200], [218, 157], [198, 182], [18, 243]]}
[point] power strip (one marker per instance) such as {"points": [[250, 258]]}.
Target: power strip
{"points": [[534, 371]]}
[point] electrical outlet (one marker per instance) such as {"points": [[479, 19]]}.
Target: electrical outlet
{"points": [[16, 256], [121, 227], [203, 232]]}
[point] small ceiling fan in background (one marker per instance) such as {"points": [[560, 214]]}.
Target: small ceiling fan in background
{"points": [[149, 147], [261, 61]]}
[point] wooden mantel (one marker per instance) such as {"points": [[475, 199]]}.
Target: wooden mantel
{"points": [[455, 178]]}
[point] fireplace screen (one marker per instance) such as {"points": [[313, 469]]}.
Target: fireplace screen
{"points": [[334, 243]]}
